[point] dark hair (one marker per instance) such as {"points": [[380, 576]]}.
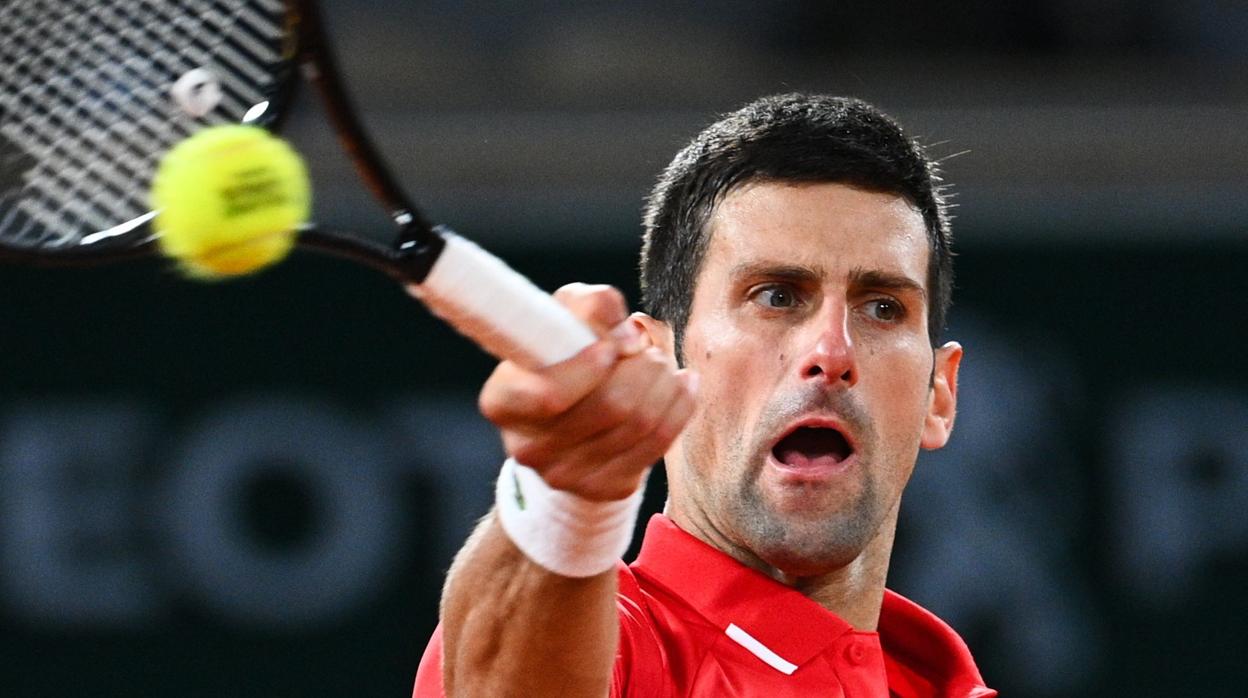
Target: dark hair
{"points": [[785, 138]]}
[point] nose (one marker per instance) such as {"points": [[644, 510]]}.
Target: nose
{"points": [[830, 357]]}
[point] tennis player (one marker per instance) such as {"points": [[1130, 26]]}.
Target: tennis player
{"points": [[797, 272]]}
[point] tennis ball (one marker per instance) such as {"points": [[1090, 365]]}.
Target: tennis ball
{"points": [[228, 201]]}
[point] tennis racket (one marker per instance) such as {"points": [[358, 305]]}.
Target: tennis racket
{"points": [[94, 92]]}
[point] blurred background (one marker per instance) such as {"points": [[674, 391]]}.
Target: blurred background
{"points": [[254, 488]]}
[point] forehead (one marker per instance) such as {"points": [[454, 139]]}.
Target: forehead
{"points": [[832, 227]]}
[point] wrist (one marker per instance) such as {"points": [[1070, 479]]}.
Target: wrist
{"points": [[560, 531]]}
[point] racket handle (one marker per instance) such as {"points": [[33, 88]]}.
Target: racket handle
{"points": [[502, 311]]}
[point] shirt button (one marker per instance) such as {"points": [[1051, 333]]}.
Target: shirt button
{"points": [[855, 653]]}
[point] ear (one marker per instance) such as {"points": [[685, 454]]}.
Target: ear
{"points": [[656, 333], [943, 405]]}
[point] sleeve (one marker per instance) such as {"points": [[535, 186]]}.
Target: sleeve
{"points": [[639, 670], [640, 666], [429, 675]]}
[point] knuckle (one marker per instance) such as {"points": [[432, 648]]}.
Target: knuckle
{"points": [[647, 421], [578, 292], [570, 291], [617, 401], [609, 296], [599, 304]]}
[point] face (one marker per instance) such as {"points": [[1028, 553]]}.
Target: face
{"points": [[818, 382]]}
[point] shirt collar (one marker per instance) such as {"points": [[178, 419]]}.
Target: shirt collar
{"points": [[723, 591], [918, 642]]}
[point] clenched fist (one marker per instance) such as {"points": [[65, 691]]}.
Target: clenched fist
{"points": [[594, 424]]}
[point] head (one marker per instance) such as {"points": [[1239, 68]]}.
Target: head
{"points": [[785, 138], [797, 256]]}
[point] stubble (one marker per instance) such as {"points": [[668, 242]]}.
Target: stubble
{"points": [[799, 540]]}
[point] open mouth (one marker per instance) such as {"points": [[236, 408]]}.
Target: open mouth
{"points": [[807, 447]]}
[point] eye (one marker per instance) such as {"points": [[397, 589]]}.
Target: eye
{"points": [[885, 310], [775, 296]]}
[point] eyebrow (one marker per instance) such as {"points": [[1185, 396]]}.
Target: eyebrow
{"points": [[877, 278], [858, 276], [772, 270]]}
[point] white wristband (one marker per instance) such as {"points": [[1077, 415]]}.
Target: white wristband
{"points": [[560, 531]]}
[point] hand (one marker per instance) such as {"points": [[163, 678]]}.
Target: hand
{"points": [[594, 424]]}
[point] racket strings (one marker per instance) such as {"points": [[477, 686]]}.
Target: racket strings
{"points": [[85, 105], [71, 173], [77, 172]]}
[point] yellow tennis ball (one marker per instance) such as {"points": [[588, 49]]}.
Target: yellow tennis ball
{"points": [[229, 200]]}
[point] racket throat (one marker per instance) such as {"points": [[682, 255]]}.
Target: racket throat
{"points": [[417, 249], [409, 259]]}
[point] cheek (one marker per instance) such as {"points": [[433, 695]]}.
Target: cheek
{"points": [[904, 386], [739, 370], [901, 400], [735, 370], [721, 353]]}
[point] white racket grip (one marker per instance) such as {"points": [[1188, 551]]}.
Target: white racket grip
{"points": [[502, 311]]}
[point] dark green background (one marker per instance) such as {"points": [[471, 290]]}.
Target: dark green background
{"points": [[1130, 314]]}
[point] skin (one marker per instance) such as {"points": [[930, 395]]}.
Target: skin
{"points": [[592, 425], [810, 307]]}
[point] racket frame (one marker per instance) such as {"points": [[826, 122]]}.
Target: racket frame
{"points": [[418, 243], [308, 56], [477, 293]]}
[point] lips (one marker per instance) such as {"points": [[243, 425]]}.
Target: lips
{"points": [[812, 447]]}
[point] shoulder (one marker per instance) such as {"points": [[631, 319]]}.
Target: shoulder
{"points": [[921, 648], [429, 675], [640, 663]]}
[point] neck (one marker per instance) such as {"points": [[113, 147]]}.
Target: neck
{"points": [[854, 592]]}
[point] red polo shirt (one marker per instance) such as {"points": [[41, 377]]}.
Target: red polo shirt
{"points": [[695, 622]]}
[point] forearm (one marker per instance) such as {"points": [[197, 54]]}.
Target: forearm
{"points": [[589, 429], [511, 627]]}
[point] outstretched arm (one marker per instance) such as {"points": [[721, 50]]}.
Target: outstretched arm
{"points": [[591, 426]]}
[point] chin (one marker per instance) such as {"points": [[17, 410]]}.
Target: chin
{"points": [[804, 564], [805, 546]]}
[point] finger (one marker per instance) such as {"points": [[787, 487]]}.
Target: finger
{"points": [[647, 441], [576, 462], [617, 473], [514, 396], [605, 311], [629, 338], [658, 421], [599, 306], [634, 384], [648, 448]]}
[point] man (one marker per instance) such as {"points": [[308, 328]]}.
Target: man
{"points": [[797, 272]]}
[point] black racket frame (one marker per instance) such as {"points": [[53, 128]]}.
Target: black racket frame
{"points": [[416, 243]]}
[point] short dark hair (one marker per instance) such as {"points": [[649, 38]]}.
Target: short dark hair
{"points": [[785, 138]]}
